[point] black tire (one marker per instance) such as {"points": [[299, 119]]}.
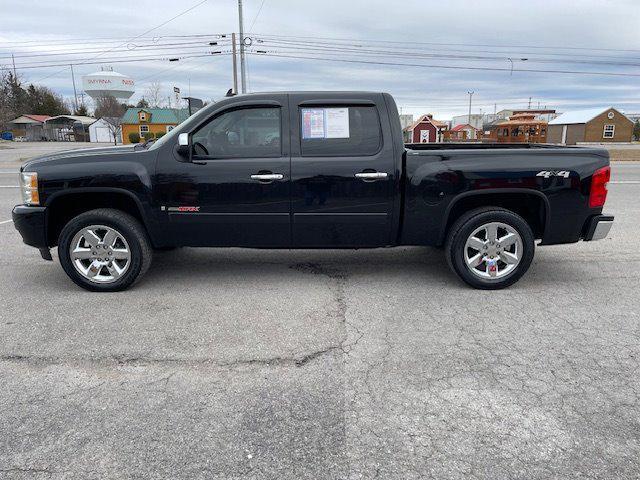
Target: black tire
{"points": [[132, 231], [466, 225]]}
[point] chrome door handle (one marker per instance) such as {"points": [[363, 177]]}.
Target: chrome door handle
{"points": [[372, 175], [267, 177]]}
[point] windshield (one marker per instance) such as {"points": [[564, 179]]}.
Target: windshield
{"points": [[173, 133]]}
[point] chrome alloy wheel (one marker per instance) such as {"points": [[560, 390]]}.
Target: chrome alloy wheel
{"points": [[493, 250], [100, 254]]}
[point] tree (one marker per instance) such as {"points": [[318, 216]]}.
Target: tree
{"points": [[153, 94], [142, 103], [15, 100], [108, 108], [81, 110], [6, 110], [636, 130], [43, 101], [12, 98]]}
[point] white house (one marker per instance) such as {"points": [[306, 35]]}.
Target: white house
{"points": [[100, 131]]}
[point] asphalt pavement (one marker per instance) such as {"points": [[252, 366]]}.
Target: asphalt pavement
{"points": [[254, 364]]}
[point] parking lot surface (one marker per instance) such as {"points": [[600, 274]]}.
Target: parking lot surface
{"points": [[246, 364]]}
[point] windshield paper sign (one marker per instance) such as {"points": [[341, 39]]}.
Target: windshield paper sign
{"points": [[325, 123]]}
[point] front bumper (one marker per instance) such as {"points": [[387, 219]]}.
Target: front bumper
{"points": [[598, 227], [31, 223]]}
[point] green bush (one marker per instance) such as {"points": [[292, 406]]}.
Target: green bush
{"points": [[134, 137], [147, 136], [160, 134]]}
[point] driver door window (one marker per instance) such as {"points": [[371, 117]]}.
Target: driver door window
{"points": [[243, 133]]}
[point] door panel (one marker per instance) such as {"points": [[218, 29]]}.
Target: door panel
{"points": [[239, 201], [331, 206]]}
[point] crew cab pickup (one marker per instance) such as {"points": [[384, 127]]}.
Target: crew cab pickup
{"points": [[308, 170]]}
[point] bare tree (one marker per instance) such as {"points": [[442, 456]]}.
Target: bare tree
{"points": [[153, 94], [108, 108]]}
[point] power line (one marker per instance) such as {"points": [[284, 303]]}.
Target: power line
{"points": [[543, 47], [452, 67], [440, 56], [140, 35], [131, 60], [79, 61], [407, 46], [83, 61], [158, 26], [129, 48], [257, 15], [46, 42]]}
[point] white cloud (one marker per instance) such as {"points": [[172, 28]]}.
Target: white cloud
{"points": [[518, 27]]}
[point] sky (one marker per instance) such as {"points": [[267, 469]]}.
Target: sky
{"points": [[417, 50]]}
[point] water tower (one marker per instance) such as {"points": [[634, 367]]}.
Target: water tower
{"points": [[108, 82]]}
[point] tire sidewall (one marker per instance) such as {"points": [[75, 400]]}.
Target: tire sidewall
{"points": [[460, 236], [89, 218]]}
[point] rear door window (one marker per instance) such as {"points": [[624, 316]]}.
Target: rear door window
{"points": [[342, 130]]}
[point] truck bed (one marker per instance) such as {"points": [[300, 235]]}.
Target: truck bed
{"points": [[483, 146]]}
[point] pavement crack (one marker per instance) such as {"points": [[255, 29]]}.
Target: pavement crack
{"points": [[120, 360]]}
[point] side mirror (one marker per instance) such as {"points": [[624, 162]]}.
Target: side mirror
{"points": [[184, 147]]}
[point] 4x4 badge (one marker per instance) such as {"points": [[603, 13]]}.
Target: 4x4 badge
{"points": [[183, 209], [554, 173]]}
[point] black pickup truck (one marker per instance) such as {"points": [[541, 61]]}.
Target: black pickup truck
{"points": [[308, 170]]}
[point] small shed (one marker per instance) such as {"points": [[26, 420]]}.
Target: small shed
{"points": [[425, 130], [593, 125], [29, 126], [463, 132], [521, 127], [101, 131]]}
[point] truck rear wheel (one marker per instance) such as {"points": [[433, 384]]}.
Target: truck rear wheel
{"points": [[104, 250], [490, 248]]}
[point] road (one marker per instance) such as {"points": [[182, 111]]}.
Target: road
{"points": [[241, 364]]}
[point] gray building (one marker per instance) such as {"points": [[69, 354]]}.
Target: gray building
{"points": [[476, 120], [405, 120]]}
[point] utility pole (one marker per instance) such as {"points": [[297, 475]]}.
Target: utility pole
{"points": [[469, 117], [243, 78], [75, 94], [235, 63]]}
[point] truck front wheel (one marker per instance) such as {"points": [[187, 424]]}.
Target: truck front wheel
{"points": [[490, 248], [104, 250]]}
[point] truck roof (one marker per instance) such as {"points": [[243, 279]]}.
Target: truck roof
{"points": [[310, 92]]}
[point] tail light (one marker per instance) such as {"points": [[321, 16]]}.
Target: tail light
{"points": [[599, 181]]}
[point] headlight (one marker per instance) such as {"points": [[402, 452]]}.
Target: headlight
{"points": [[29, 188]]}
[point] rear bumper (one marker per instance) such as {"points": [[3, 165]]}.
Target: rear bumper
{"points": [[31, 223], [598, 227]]}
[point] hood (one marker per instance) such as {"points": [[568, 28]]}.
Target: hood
{"points": [[100, 152]]}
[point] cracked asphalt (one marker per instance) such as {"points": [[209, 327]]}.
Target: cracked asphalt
{"points": [[242, 364]]}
